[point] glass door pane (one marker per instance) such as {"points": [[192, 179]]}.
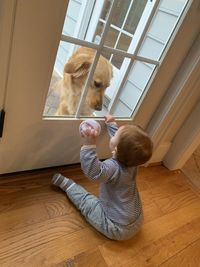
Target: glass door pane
{"points": [[127, 37]]}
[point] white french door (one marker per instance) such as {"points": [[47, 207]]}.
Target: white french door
{"points": [[29, 140]]}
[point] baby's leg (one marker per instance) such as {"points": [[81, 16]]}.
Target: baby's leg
{"points": [[89, 205]]}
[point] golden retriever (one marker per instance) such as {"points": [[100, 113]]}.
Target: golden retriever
{"points": [[74, 77]]}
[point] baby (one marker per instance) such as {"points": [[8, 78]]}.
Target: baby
{"points": [[117, 212]]}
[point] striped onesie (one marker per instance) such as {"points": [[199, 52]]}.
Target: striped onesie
{"points": [[117, 213]]}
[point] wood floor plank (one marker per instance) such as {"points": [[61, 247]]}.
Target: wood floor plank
{"points": [[166, 247], [151, 212], [20, 184], [23, 239], [59, 205], [154, 175], [91, 258], [48, 194], [67, 263], [57, 250], [10, 183], [150, 232], [142, 184], [168, 189], [29, 197], [189, 257], [19, 218], [177, 201]]}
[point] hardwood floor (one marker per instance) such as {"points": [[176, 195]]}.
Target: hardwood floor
{"points": [[40, 227]]}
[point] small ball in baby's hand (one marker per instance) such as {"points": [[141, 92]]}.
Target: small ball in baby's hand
{"points": [[90, 124]]}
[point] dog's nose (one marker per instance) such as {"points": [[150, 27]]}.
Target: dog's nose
{"points": [[98, 107]]}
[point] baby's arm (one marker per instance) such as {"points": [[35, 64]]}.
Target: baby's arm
{"points": [[111, 125], [92, 167], [95, 169]]}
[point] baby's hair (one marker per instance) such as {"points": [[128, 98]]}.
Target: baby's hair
{"points": [[134, 147]]}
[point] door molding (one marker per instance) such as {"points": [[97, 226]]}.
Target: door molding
{"points": [[179, 101], [7, 20], [186, 141]]}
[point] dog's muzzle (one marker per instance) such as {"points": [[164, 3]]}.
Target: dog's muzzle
{"points": [[98, 107]]}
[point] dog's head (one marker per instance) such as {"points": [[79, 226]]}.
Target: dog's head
{"points": [[78, 68]]}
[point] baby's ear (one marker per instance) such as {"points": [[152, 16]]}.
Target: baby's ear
{"points": [[77, 67], [114, 152]]}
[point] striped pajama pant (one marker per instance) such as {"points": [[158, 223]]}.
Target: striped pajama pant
{"points": [[91, 208]]}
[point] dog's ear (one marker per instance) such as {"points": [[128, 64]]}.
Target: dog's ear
{"points": [[77, 67]]}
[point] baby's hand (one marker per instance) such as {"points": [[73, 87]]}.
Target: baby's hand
{"points": [[109, 118], [89, 135]]}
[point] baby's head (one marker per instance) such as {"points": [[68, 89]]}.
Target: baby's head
{"points": [[131, 146]]}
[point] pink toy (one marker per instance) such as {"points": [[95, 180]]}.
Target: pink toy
{"points": [[90, 123]]}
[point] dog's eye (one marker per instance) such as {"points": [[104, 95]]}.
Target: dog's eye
{"points": [[97, 84]]}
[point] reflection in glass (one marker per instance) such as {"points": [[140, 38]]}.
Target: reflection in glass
{"points": [[117, 61], [124, 42], [106, 54], [119, 12], [106, 8], [98, 33], [111, 37], [134, 16]]}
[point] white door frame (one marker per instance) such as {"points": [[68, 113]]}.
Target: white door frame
{"points": [[186, 141]]}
